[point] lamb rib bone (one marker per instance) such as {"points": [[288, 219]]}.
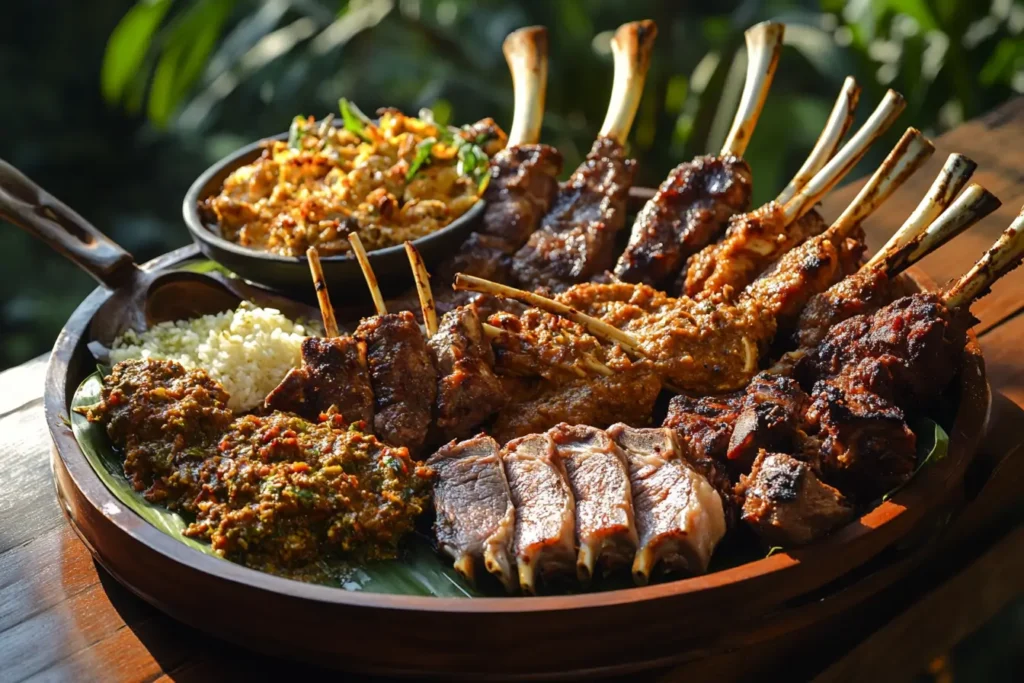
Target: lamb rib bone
{"points": [[764, 45], [1004, 256], [970, 207], [526, 51], [631, 50]]}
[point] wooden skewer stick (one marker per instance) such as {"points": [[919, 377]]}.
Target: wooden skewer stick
{"points": [[322, 297], [598, 328], [371, 279], [422, 277], [593, 364]]}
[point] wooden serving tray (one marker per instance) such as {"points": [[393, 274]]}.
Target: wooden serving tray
{"points": [[607, 632]]}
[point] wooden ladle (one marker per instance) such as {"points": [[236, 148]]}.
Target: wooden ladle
{"points": [[139, 298]]}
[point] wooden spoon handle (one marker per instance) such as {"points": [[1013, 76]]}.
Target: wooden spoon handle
{"points": [[39, 213]]}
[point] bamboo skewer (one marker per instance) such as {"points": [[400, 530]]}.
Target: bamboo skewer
{"points": [[598, 328], [371, 279], [422, 278], [764, 45], [1004, 256], [954, 175], [631, 50], [526, 51], [322, 296]]}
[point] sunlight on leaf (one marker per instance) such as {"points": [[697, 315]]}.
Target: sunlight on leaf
{"points": [[128, 45]]}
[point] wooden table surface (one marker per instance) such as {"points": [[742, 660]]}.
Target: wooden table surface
{"points": [[64, 618]]}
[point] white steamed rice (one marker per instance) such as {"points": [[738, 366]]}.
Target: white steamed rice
{"points": [[248, 350]]}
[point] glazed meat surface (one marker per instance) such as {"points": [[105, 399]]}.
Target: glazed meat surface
{"points": [[545, 511], [786, 503], [403, 378], [628, 396], [475, 523], [333, 373], [690, 210], [468, 391], [605, 530], [704, 428], [523, 186], [679, 515], [862, 292], [770, 418], [576, 239]]}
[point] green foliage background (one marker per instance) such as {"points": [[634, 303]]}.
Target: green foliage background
{"points": [[116, 105]]}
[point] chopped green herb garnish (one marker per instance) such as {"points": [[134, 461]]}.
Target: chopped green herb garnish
{"points": [[422, 156], [296, 132], [355, 120], [774, 549], [929, 450]]}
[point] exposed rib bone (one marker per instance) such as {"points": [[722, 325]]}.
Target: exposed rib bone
{"points": [[839, 121], [951, 179], [526, 51], [841, 164], [912, 150], [974, 204], [422, 278], [322, 297], [631, 49], [371, 279], [598, 328], [764, 44], [1004, 256]]}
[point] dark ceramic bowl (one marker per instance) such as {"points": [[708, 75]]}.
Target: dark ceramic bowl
{"points": [[290, 274]]}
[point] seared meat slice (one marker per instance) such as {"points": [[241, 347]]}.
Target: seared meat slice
{"points": [[679, 515], [866, 448], [333, 373], [627, 396], [475, 518], [786, 503], [605, 531], [690, 210], [770, 418], [576, 239], [545, 510], [524, 183], [862, 292], [403, 378], [468, 391], [704, 427]]}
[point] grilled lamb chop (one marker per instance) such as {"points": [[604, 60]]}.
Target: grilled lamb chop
{"points": [[693, 205], [475, 518], [786, 503], [605, 531], [545, 511], [333, 373], [468, 391], [403, 378], [576, 239], [679, 515]]}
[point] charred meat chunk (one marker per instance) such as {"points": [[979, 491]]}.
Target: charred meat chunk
{"points": [[475, 522], [704, 428], [786, 503], [576, 239], [679, 515], [770, 418], [605, 531], [403, 378], [468, 391], [545, 511], [689, 211], [333, 373]]}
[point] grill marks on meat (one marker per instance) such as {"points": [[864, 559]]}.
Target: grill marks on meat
{"points": [[605, 531], [704, 427], [403, 378], [626, 396], [576, 239], [468, 391], [679, 515], [475, 521], [786, 503], [524, 183], [545, 510], [333, 373], [770, 418], [690, 210]]}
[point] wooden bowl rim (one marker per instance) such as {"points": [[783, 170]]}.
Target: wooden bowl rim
{"points": [[904, 509]]}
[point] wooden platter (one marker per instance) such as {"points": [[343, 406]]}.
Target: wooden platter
{"points": [[606, 632]]}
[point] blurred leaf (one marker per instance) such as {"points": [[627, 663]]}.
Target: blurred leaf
{"points": [[1004, 62], [190, 43], [128, 45]]}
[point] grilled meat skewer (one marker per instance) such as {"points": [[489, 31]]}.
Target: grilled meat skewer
{"points": [[576, 238], [692, 206]]}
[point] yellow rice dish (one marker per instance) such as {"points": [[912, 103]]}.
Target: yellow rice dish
{"points": [[396, 179]]}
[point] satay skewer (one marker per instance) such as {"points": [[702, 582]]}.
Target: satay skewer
{"points": [[371, 279], [422, 278], [322, 296]]}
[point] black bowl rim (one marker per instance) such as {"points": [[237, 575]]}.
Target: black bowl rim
{"points": [[199, 231]]}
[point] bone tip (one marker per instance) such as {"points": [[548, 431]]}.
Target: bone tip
{"points": [[529, 42], [526, 579], [466, 568], [636, 38], [642, 567], [585, 564], [765, 33]]}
